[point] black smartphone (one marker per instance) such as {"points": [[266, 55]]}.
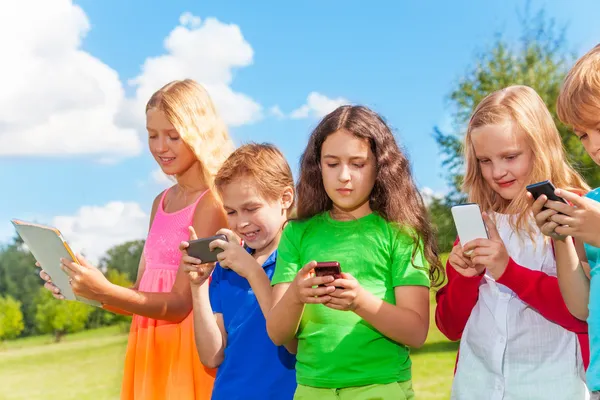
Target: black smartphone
{"points": [[199, 249], [326, 268], [544, 188]]}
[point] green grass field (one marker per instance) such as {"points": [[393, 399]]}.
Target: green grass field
{"points": [[89, 365]]}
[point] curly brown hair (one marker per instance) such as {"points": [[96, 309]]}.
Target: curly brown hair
{"points": [[395, 196]]}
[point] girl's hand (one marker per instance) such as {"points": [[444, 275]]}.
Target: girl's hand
{"points": [[302, 286], [462, 263], [48, 283], [86, 280], [543, 218], [234, 256], [197, 271], [581, 221], [347, 295], [489, 253]]}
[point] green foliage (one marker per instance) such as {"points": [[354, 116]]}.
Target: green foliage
{"points": [[59, 316], [19, 278], [539, 60], [124, 258], [100, 317], [441, 217], [11, 318]]}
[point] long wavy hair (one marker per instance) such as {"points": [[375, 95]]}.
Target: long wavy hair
{"points": [[394, 196]]}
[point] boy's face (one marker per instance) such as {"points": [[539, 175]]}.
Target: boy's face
{"points": [[256, 220], [590, 139]]}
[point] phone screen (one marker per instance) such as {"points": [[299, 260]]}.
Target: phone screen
{"points": [[330, 268], [469, 223]]}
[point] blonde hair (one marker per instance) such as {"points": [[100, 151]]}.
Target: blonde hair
{"points": [[525, 111], [579, 96], [263, 164], [189, 108]]}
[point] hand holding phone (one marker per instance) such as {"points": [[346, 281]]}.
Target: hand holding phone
{"points": [[328, 268], [544, 188], [199, 248], [469, 223]]}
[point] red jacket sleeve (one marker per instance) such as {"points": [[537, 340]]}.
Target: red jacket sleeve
{"points": [[455, 301], [541, 292]]}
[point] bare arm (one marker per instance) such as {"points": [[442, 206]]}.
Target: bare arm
{"points": [[209, 329], [407, 322], [284, 318], [177, 304], [572, 280], [261, 285]]}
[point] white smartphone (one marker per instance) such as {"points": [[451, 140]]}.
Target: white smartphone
{"points": [[469, 223]]}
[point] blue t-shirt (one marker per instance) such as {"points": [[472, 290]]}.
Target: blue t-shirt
{"points": [[253, 367], [593, 256]]}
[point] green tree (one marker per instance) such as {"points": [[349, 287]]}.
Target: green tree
{"points": [[100, 317], [11, 318], [124, 258], [540, 60], [441, 217], [60, 316], [19, 278]]}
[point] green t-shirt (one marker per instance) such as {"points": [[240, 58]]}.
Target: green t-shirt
{"points": [[338, 349]]}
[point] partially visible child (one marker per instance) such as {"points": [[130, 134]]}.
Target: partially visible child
{"points": [[579, 107], [358, 205], [518, 339], [188, 141], [256, 186]]}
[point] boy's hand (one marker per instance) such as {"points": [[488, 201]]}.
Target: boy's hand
{"points": [[581, 220], [234, 256], [543, 217], [197, 271]]}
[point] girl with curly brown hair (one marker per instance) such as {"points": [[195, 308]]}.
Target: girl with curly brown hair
{"points": [[357, 205]]}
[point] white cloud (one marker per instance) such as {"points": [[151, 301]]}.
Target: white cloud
{"points": [[207, 52], [276, 112], [429, 194], [317, 106], [187, 18], [92, 230], [56, 99]]}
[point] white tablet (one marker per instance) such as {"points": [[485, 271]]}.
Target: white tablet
{"points": [[48, 247]]}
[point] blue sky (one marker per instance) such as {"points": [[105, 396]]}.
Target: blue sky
{"points": [[78, 80]]}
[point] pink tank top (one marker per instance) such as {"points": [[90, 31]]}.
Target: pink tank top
{"points": [[168, 230]]}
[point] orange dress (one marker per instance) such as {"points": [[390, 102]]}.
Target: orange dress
{"points": [[162, 362]]}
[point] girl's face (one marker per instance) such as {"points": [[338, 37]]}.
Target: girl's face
{"points": [[348, 170], [256, 220], [166, 145], [504, 157]]}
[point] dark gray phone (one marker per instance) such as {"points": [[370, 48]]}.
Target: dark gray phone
{"points": [[199, 249], [544, 188]]}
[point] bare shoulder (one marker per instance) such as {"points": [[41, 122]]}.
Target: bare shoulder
{"points": [[209, 213]]}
